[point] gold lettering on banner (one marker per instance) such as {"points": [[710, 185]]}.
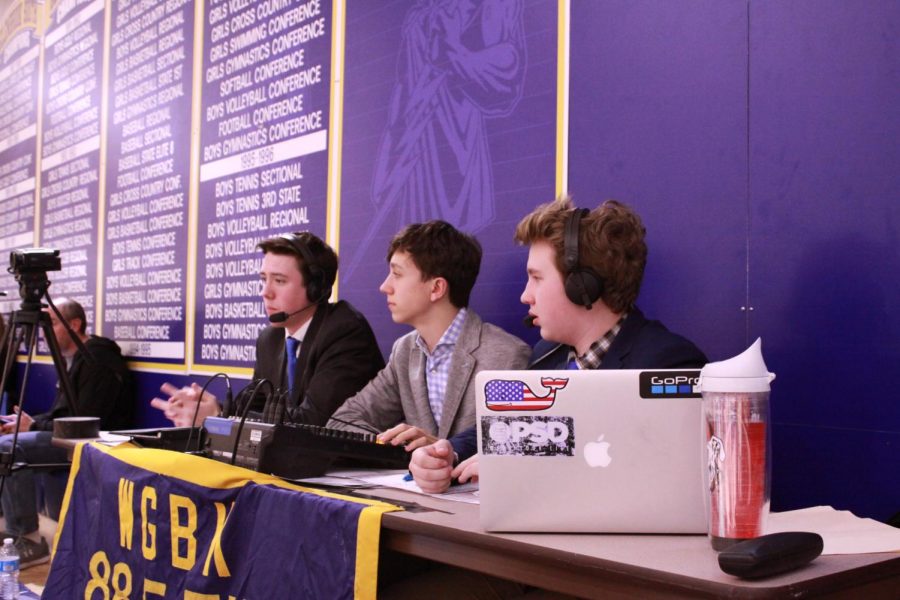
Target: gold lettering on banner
{"points": [[183, 530], [126, 514], [157, 588], [99, 570], [148, 528], [215, 547], [121, 582]]}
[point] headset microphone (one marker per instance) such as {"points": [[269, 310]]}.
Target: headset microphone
{"points": [[528, 321], [281, 317]]}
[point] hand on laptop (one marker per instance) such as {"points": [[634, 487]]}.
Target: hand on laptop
{"points": [[182, 403], [413, 437], [431, 466]]}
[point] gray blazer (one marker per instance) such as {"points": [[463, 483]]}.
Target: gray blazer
{"points": [[399, 393]]}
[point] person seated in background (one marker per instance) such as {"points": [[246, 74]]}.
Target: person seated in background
{"points": [[585, 270], [103, 387], [427, 389], [321, 353]]}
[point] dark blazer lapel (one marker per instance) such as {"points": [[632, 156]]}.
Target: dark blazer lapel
{"points": [[305, 351], [462, 363], [621, 346], [544, 360], [282, 358]]}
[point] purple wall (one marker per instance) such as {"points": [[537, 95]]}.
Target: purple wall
{"points": [[434, 131], [824, 253], [658, 120], [761, 143]]}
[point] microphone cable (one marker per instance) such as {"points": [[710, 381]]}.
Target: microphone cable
{"points": [[237, 437], [227, 403]]}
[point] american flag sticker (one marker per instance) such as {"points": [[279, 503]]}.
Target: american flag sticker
{"points": [[527, 435], [506, 394]]}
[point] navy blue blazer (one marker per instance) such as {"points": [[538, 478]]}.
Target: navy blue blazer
{"points": [[641, 344]]}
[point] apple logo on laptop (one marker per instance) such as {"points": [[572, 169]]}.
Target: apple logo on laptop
{"points": [[596, 454]]}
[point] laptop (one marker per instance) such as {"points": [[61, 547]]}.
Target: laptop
{"points": [[611, 451]]}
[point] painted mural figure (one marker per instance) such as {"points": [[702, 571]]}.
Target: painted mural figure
{"points": [[460, 62]]}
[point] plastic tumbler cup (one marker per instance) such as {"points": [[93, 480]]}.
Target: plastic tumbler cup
{"points": [[736, 414]]}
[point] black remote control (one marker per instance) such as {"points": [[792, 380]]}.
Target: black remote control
{"points": [[770, 554]]}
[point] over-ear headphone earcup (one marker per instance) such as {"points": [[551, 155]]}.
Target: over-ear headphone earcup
{"points": [[583, 287], [315, 288], [316, 291]]}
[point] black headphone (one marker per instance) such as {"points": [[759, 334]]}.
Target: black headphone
{"points": [[318, 290], [583, 286]]}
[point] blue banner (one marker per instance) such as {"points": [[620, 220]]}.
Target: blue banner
{"points": [[142, 523]]}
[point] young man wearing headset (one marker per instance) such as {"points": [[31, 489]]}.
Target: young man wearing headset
{"points": [[318, 353], [584, 273]]}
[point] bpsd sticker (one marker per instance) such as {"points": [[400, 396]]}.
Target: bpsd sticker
{"points": [[528, 436]]}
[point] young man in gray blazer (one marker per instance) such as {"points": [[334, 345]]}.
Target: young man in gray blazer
{"points": [[427, 389]]}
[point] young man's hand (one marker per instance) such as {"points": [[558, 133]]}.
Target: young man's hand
{"points": [[182, 404], [412, 437], [432, 466], [467, 470], [9, 422]]}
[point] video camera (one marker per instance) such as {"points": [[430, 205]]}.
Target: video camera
{"points": [[30, 266], [34, 260]]}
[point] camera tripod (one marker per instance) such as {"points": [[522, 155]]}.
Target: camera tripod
{"points": [[23, 328]]}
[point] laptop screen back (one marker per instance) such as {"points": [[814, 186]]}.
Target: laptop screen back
{"points": [[591, 451]]}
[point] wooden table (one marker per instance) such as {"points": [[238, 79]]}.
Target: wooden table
{"points": [[612, 566], [619, 566]]}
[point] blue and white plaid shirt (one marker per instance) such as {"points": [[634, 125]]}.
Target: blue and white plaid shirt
{"points": [[437, 364]]}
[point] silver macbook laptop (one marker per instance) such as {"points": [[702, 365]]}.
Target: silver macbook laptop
{"points": [[591, 451]]}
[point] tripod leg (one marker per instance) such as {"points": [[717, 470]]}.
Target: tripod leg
{"points": [[8, 358], [28, 330]]}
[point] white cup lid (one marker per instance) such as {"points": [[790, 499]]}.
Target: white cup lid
{"points": [[745, 372]]}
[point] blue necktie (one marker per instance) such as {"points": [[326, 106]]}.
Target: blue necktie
{"points": [[292, 345]]}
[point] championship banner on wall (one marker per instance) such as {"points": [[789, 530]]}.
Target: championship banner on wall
{"points": [[142, 523]]}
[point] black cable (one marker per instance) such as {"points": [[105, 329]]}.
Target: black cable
{"points": [[275, 407], [237, 437], [187, 446]]}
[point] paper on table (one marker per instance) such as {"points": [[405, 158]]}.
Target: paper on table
{"points": [[350, 478], [467, 492], [842, 531], [390, 478], [111, 439]]}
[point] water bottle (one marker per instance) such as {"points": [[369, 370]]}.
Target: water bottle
{"points": [[736, 414], [9, 570]]}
